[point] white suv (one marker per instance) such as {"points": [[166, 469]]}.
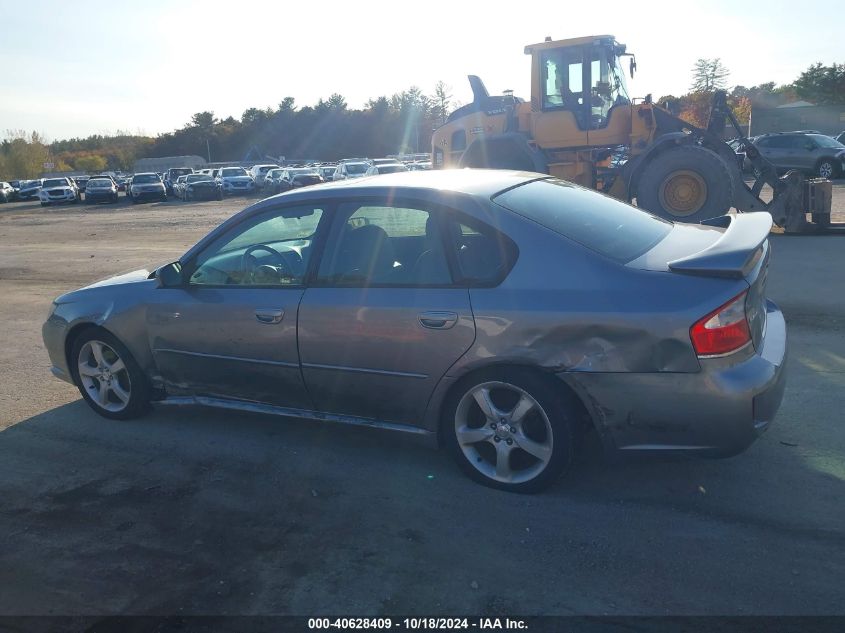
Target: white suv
{"points": [[351, 170], [236, 180]]}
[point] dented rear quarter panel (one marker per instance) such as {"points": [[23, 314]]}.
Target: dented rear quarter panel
{"points": [[571, 311]]}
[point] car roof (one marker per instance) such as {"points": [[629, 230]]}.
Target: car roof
{"points": [[474, 182]]}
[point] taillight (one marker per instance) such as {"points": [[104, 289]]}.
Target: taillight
{"points": [[723, 331]]}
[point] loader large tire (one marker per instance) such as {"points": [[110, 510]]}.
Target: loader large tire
{"points": [[509, 151], [686, 184]]}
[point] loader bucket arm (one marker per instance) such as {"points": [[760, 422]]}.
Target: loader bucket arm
{"points": [[789, 192]]}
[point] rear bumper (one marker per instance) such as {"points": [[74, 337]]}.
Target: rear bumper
{"points": [[718, 411]]}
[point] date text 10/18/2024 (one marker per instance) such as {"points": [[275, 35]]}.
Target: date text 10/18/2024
{"points": [[418, 623]]}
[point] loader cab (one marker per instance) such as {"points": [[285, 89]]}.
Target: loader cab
{"points": [[583, 76]]}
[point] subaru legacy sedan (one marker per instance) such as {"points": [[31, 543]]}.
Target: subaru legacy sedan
{"points": [[499, 314]]}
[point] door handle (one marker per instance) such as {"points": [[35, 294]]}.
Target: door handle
{"points": [[438, 320], [269, 315]]}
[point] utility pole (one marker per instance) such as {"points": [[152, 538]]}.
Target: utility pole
{"points": [[208, 149]]}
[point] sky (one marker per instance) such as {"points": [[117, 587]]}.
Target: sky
{"points": [[82, 68]]}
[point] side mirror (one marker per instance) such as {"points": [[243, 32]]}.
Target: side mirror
{"points": [[170, 276]]}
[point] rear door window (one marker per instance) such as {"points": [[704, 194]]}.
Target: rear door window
{"points": [[602, 224]]}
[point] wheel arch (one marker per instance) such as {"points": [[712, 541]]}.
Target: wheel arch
{"points": [[503, 148], [585, 419], [73, 334], [636, 167]]}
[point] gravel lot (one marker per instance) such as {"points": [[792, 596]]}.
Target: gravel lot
{"points": [[207, 512]]}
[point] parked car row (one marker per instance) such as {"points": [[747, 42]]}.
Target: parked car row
{"points": [[209, 183]]}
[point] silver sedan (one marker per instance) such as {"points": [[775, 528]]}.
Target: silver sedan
{"points": [[501, 314]]}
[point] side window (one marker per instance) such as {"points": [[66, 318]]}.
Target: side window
{"points": [[383, 244], [271, 249], [484, 256]]}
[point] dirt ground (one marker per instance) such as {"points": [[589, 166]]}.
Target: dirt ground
{"points": [[209, 512]]}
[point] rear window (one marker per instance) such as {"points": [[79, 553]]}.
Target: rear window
{"points": [[603, 224]]}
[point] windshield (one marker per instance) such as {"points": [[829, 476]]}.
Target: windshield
{"points": [[274, 174], [230, 172], [197, 177], [99, 182], [55, 182], [308, 179], [826, 141], [145, 178], [175, 173], [603, 224], [389, 169], [357, 168]]}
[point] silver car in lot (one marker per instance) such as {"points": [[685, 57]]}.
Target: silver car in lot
{"points": [[501, 314], [814, 154]]}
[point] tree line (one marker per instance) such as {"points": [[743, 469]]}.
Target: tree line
{"points": [[820, 85], [329, 129]]}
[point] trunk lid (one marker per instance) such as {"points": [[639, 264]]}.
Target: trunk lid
{"points": [[736, 249]]}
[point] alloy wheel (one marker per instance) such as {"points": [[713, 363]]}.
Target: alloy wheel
{"points": [[104, 376], [504, 432], [826, 170]]}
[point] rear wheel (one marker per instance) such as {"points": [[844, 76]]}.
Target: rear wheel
{"points": [[686, 184], [510, 429], [108, 377]]}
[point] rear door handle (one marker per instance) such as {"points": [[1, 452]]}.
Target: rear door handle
{"points": [[270, 315], [438, 320]]}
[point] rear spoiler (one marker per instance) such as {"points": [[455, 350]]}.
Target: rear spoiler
{"points": [[735, 253]]}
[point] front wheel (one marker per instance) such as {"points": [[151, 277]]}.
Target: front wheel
{"points": [[827, 169], [107, 376], [510, 429], [687, 183]]}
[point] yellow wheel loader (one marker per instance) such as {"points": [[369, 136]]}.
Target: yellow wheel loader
{"points": [[582, 126]]}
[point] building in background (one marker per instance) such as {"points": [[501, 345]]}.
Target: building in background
{"points": [[163, 163]]}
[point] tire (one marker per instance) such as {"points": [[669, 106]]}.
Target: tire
{"points": [[45, 204], [219, 195], [133, 200], [547, 427], [497, 155], [686, 184], [120, 394], [827, 168]]}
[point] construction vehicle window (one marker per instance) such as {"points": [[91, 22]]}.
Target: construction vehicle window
{"points": [[563, 76], [459, 140]]}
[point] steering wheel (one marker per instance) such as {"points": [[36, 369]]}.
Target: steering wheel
{"points": [[248, 262]]}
